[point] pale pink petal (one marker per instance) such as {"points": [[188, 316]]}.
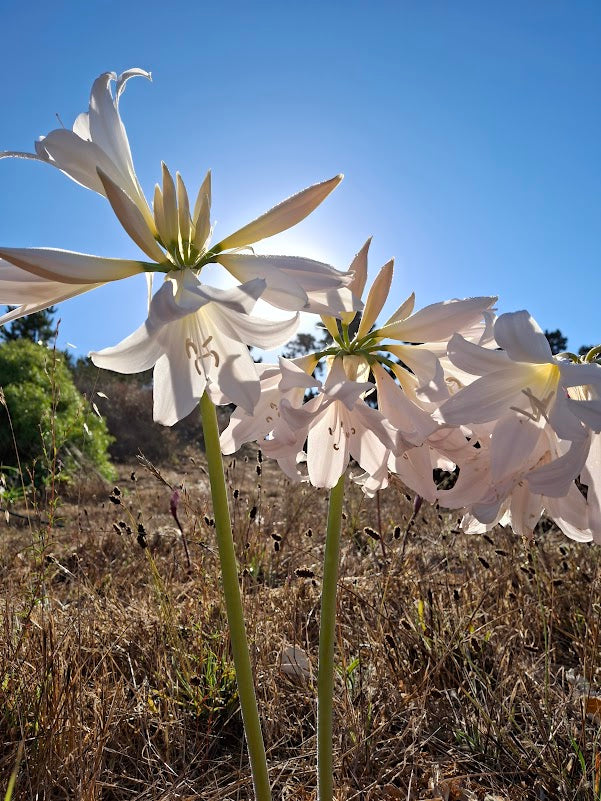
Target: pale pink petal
{"points": [[327, 449], [415, 469], [526, 509], [554, 479], [294, 376], [591, 476], [513, 441], [570, 513], [370, 443]]}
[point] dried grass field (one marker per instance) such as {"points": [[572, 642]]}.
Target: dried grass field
{"points": [[467, 667]]}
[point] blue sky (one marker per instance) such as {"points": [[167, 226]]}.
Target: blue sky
{"points": [[468, 134]]}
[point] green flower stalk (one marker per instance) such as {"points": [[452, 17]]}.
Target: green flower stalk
{"points": [[327, 634], [233, 603]]}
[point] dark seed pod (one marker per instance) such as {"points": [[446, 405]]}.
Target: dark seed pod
{"points": [[370, 532], [304, 572]]}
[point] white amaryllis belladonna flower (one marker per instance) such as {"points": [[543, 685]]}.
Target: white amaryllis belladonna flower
{"points": [[335, 423], [196, 339], [173, 235]]}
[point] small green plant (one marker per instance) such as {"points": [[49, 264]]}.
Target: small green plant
{"points": [[43, 413]]}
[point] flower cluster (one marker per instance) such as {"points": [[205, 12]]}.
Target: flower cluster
{"points": [[451, 388], [448, 387], [195, 336]]}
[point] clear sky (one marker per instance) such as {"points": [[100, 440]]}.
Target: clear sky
{"points": [[469, 134]]}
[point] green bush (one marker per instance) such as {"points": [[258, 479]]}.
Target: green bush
{"points": [[54, 427]]}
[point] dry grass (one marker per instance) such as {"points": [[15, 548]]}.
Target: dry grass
{"points": [[464, 663]]}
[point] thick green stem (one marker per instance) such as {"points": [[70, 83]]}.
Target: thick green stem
{"points": [[233, 603], [327, 634]]}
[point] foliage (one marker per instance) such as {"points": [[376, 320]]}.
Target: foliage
{"points": [[557, 341], [37, 327], [42, 411]]}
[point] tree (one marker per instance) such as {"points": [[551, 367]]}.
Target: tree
{"points": [[53, 427], [37, 327], [557, 341]]}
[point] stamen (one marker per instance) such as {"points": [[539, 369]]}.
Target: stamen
{"points": [[190, 346]]}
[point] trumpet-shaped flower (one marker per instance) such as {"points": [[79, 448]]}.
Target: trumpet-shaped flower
{"points": [[173, 235], [336, 424], [193, 338], [525, 377]]}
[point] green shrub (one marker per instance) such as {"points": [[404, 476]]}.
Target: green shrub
{"points": [[55, 429]]}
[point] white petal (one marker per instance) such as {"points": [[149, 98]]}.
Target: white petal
{"points": [[253, 331], [358, 269], [439, 321], [203, 197], [69, 267], [177, 385], [281, 217], [488, 398], [106, 128], [169, 209], [282, 290], [474, 359], [376, 298], [132, 219], [138, 352], [78, 159], [564, 417], [336, 302], [32, 294], [404, 310], [235, 373], [183, 212], [522, 339]]}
